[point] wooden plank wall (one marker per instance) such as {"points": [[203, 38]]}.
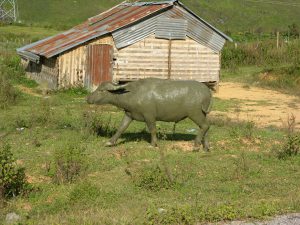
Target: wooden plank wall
{"points": [[146, 58], [72, 67], [45, 73], [193, 61], [73, 64], [149, 58]]}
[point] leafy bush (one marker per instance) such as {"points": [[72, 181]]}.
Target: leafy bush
{"points": [[246, 130], [84, 193], [42, 113], [69, 163], [8, 94], [96, 123], [174, 215], [12, 178], [190, 214], [290, 147], [152, 178], [291, 143]]}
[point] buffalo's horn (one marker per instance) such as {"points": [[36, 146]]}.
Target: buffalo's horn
{"points": [[114, 87]]}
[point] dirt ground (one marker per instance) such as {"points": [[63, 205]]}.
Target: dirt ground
{"points": [[262, 106]]}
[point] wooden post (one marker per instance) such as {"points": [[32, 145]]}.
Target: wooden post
{"points": [[169, 59], [277, 44]]}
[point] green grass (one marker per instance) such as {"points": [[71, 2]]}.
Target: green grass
{"points": [[234, 181], [226, 15]]}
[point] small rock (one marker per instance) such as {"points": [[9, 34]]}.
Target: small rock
{"points": [[191, 130], [20, 128], [161, 210], [12, 218]]}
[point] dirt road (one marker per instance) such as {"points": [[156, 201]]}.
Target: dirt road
{"points": [[262, 106]]}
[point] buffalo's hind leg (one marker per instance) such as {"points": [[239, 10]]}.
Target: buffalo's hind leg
{"points": [[152, 129], [124, 124], [201, 120]]}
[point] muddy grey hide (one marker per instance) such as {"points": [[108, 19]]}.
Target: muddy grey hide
{"points": [[150, 100]]}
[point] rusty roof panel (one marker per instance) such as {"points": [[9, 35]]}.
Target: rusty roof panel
{"points": [[126, 15], [120, 16]]}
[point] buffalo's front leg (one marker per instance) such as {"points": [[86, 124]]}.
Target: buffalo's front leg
{"points": [[124, 124]]}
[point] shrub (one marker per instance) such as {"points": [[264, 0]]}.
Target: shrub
{"points": [[8, 94], [84, 193], [290, 147], [291, 143], [190, 214], [174, 215], [96, 123], [243, 129], [12, 178], [69, 164], [42, 113], [152, 178]]}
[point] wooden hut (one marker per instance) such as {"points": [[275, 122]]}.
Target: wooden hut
{"points": [[129, 41]]}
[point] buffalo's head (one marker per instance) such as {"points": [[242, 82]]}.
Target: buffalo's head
{"points": [[105, 93]]}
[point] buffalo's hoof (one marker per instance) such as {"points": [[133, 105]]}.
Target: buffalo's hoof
{"points": [[109, 144], [207, 149], [196, 148]]}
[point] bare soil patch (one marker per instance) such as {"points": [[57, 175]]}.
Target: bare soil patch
{"points": [[28, 91], [262, 106]]}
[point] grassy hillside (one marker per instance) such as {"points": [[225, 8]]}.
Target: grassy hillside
{"points": [[228, 15]]}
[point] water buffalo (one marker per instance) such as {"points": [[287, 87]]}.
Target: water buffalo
{"points": [[150, 100]]}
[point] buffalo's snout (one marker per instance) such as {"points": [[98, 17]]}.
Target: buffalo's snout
{"points": [[89, 99]]}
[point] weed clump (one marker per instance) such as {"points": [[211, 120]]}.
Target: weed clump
{"points": [[190, 214], [152, 178], [69, 163], [96, 123], [291, 143], [8, 94], [174, 215], [290, 147], [12, 178]]}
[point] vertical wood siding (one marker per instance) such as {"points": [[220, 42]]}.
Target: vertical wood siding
{"points": [[72, 67], [73, 64]]}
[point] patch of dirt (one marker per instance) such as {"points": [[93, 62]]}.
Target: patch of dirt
{"points": [[38, 179], [185, 146], [28, 91], [289, 219], [262, 106]]}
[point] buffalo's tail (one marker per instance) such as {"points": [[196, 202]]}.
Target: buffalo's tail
{"points": [[207, 106]]}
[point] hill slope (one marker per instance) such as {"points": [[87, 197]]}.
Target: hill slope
{"points": [[227, 15]]}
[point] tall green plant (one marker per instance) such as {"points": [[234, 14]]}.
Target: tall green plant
{"points": [[12, 178]]}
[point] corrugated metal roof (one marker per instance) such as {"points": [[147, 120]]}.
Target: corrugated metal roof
{"points": [[120, 16], [198, 30], [137, 32], [107, 22], [170, 28]]}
